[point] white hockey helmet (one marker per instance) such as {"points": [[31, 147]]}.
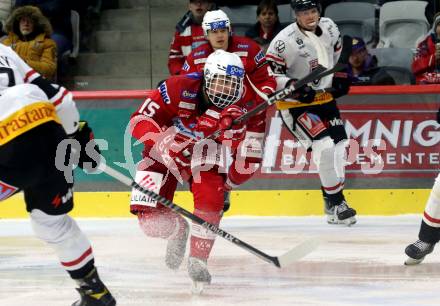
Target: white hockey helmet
{"points": [[214, 20], [224, 74]]}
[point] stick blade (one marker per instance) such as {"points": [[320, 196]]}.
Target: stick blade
{"points": [[298, 252]]}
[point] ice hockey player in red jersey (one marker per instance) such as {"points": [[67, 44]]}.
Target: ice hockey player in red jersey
{"points": [[188, 35], [217, 30], [170, 123], [35, 117]]}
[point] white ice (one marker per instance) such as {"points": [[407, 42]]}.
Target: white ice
{"points": [[360, 265]]}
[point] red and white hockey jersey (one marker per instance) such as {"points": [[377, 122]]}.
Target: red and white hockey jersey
{"points": [[250, 53], [182, 44], [179, 99]]}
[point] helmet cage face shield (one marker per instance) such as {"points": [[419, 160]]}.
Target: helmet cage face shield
{"points": [[224, 89]]}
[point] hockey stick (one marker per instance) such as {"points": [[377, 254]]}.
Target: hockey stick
{"points": [[285, 92], [340, 65], [317, 73], [282, 261]]}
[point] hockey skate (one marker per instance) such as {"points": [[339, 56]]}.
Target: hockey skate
{"points": [[176, 248], [417, 251], [198, 272], [93, 292], [340, 214]]}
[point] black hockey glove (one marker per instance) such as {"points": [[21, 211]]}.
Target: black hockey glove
{"points": [[341, 84], [304, 94], [89, 158]]}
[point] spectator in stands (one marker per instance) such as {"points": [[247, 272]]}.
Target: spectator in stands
{"points": [[188, 35], [58, 13], [5, 9], [268, 24], [29, 35], [363, 69], [426, 63]]}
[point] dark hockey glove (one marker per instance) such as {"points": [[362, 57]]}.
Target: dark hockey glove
{"points": [[90, 158], [304, 94], [340, 85]]}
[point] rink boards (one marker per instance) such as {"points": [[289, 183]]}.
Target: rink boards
{"points": [[395, 179], [247, 203]]}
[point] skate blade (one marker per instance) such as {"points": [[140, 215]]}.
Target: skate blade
{"points": [[411, 261], [197, 287], [348, 222]]}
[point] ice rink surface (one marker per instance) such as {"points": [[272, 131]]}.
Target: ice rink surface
{"points": [[361, 265]]}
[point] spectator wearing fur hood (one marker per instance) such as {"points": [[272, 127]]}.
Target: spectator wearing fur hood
{"points": [[29, 34]]}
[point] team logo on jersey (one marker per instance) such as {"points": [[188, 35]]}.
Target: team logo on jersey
{"points": [[199, 53], [186, 94], [299, 41], [313, 64], [311, 123], [164, 93], [242, 46], [149, 180], [6, 190], [62, 199], [259, 57], [185, 66], [336, 122], [280, 46]]}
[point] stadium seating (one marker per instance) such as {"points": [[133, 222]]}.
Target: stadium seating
{"points": [[402, 23], [397, 63], [354, 18]]}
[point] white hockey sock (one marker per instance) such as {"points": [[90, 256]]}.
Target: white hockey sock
{"points": [[65, 237], [431, 215]]}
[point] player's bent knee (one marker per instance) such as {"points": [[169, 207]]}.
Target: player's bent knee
{"points": [[63, 234], [323, 151], [52, 229], [158, 223]]}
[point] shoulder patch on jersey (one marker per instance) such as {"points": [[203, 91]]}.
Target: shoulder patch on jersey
{"points": [[163, 90]]}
